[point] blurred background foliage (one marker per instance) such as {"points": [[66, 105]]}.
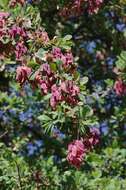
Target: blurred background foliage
{"points": [[32, 160]]}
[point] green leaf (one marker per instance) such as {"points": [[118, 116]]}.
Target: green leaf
{"points": [[32, 64], [47, 97], [3, 4], [86, 111], [109, 82], [97, 173], [41, 54], [53, 67], [67, 37], [121, 62], [84, 80], [44, 118]]}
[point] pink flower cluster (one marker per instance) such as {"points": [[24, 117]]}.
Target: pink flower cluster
{"points": [[76, 152], [67, 58], [45, 78], [13, 33], [41, 36], [20, 50], [4, 15], [23, 73], [92, 139], [19, 34], [76, 8], [79, 148], [94, 6], [3, 18], [73, 9], [16, 32], [67, 91], [49, 81], [120, 87]]}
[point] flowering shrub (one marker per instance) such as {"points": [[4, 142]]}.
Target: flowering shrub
{"points": [[62, 103], [53, 71]]}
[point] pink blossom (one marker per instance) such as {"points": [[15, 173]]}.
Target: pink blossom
{"points": [[70, 92], [45, 68], [22, 74], [64, 87], [68, 61], [42, 36], [76, 152], [3, 30], [20, 50], [63, 59], [57, 53], [17, 31], [79, 148], [4, 14], [53, 102], [45, 78], [120, 87], [94, 136], [56, 96], [56, 92], [42, 83], [73, 9], [44, 86], [91, 139], [94, 5], [38, 77], [76, 8], [70, 88]]}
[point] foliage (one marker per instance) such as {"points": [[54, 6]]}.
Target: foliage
{"points": [[17, 172], [62, 84]]}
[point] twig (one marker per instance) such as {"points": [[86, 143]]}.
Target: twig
{"points": [[1, 136]]}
